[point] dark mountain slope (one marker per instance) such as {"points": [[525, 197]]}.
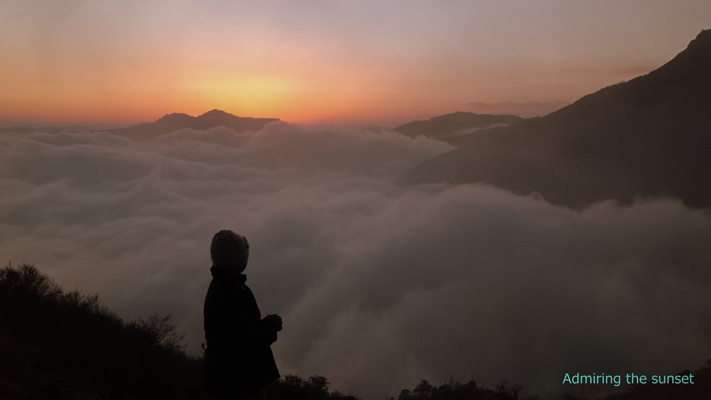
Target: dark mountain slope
{"points": [[172, 122], [650, 136]]}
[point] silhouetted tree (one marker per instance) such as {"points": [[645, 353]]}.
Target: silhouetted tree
{"points": [[74, 332]]}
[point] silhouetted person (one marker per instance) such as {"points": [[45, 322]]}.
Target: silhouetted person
{"points": [[238, 359]]}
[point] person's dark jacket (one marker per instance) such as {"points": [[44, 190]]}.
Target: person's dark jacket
{"points": [[238, 359]]}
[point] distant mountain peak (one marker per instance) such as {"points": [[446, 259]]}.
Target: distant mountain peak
{"points": [[215, 112], [703, 40], [211, 119], [174, 117], [694, 62]]}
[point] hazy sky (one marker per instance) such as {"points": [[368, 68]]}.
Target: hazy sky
{"points": [[121, 62]]}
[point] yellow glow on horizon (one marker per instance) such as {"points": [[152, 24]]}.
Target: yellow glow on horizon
{"points": [[318, 91], [251, 94]]}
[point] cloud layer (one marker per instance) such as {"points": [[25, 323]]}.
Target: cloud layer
{"points": [[379, 285]]}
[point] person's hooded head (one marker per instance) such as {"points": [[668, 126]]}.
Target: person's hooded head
{"points": [[229, 251]]}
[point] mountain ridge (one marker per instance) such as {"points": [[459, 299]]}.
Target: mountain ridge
{"points": [[174, 121], [457, 127], [647, 137]]}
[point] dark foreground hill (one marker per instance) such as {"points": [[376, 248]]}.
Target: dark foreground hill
{"points": [[172, 122], [64, 345], [455, 128], [59, 345], [647, 137]]}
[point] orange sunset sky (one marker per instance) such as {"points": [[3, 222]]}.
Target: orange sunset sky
{"points": [[336, 61]]}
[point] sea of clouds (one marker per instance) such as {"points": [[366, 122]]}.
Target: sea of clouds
{"points": [[379, 284]]}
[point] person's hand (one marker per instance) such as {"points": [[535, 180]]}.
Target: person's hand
{"points": [[274, 321]]}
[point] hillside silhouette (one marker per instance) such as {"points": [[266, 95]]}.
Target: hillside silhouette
{"points": [[57, 344], [172, 122], [648, 137], [455, 128]]}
